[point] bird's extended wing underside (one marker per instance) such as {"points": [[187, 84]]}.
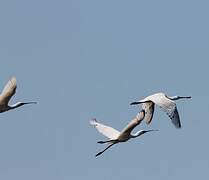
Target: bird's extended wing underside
{"points": [[8, 91], [149, 108], [107, 131], [134, 122], [170, 108]]}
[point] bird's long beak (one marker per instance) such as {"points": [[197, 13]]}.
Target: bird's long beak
{"points": [[29, 102], [152, 130], [185, 97]]}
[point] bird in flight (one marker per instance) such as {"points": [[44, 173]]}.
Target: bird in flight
{"points": [[116, 136], [163, 101], [7, 93]]}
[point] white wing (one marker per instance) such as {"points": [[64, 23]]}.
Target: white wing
{"points": [[107, 131], [8, 91], [168, 106], [134, 122]]}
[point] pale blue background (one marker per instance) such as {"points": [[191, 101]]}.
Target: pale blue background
{"points": [[90, 58]]}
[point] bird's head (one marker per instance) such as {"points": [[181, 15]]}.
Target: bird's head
{"points": [[140, 132], [18, 104]]}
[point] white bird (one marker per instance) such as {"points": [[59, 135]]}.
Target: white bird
{"points": [[7, 93], [165, 102], [115, 136]]}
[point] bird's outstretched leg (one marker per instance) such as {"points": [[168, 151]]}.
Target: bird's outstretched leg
{"points": [[138, 102], [99, 153], [108, 141]]}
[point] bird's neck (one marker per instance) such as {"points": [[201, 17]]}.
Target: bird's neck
{"points": [[136, 134], [16, 105]]}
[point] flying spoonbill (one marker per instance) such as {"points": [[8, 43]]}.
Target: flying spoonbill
{"points": [[115, 136], [7, 93], [165, 102]]}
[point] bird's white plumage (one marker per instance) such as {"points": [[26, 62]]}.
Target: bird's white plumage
{"points": [[133, 123], [107, 131], [8, 91], [116, 136], [166, 103]]}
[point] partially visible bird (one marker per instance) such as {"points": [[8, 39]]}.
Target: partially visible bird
{"points": [[115, 136], [165, 102], [7, 93]]}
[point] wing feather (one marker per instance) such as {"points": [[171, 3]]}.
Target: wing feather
{"points": [[8, 91], [107, 131], [169, 106], [149, 108], [134, 122]]}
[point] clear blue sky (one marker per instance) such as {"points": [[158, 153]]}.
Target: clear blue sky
{"points": [[85, 59]]}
